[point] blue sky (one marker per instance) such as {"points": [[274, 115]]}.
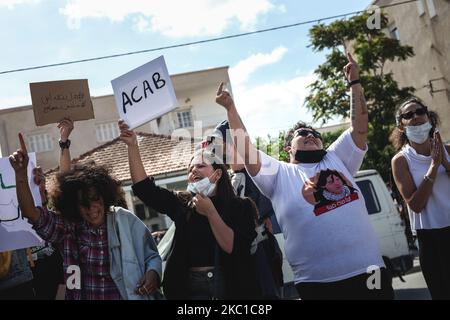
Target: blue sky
{"points": [[269, 72]]}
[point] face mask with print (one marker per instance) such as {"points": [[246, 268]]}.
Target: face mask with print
{"points": [[418, 134], [204, 187]]}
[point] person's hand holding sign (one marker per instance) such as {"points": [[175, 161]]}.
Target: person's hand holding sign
{"points": [[126, 135], [65, 128]]}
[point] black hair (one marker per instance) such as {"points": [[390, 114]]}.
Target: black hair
{"points": [[83, 184], [398, 137], [291, 132]]}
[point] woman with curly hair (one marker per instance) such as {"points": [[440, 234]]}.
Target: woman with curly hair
{"points": [[112, 249], [421, 171], [210, 255]]}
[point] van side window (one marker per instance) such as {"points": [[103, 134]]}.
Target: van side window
{"points": [[368, 191]]}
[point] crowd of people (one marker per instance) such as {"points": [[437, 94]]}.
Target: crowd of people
{"points": [[223, 245]]}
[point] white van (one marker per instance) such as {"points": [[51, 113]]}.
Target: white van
{"points": [[386, 221]]}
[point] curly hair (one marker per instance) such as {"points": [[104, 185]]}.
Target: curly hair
{"points": [[398, 137], [80, 186], [290, 135]]}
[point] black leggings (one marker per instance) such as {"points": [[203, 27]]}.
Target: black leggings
{"points": [[434, 255], [354, 288]]}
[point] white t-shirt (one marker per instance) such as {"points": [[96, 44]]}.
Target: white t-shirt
{"points": [[326, 227], [436, 214]]}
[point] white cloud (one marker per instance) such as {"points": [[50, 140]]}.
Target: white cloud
{"points": [[242, 71], [10, 4], [142, 24], [274, 106], [172, 18], [14, 101]]}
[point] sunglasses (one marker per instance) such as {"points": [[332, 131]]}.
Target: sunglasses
{"points": [[306, 132], [408, 115]]}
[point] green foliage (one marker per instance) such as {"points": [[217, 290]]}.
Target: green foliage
{"points": [[329, 96]]}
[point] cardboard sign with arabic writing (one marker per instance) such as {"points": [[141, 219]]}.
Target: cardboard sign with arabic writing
{"points": [[56, 100]]}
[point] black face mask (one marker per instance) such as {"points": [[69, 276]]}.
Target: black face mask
{"points": [[310, 156]]}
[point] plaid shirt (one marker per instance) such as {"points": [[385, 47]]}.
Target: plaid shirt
{"points": [[85, 247]]}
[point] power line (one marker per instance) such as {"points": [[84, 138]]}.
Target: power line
{"points": [[238, 35]]}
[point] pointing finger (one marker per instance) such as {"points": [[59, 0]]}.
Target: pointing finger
{"points": [[22, 144], [219, 90]]}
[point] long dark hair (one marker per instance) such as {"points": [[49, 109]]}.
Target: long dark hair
{"points": [[83, 184], [398, 137]]}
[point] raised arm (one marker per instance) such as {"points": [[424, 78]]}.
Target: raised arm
{"points": [[160, 199], [65, 128], [137, 170], [358, 107], [244, 146], [19, 162]]}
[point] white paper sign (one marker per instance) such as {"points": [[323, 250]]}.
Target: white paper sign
{"points": [[144, 93], [15, 231]]}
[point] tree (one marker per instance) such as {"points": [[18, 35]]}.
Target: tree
{"points": [[329, 93]]}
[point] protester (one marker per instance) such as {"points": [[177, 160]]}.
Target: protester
{"points": [[113, 249], [265, 249], [210, 254], [332, 252], [421, 171]]}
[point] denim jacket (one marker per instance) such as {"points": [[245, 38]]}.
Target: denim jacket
{"points": [[19, 272], [132, 252]]}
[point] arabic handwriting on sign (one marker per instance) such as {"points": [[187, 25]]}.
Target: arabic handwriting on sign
{"points": [[51, 108], [69, 98]]}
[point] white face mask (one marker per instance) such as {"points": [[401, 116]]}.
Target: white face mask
{"points": [[204, 187], [418, 134]]}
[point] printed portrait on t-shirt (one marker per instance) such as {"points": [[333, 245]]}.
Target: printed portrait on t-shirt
{"points": [[328, 190]]}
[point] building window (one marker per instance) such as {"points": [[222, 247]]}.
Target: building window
{"points": [[420, 8], [139, 209], [107, 131], [393, 33], [40, 143], [184, 119], [431, 8]]}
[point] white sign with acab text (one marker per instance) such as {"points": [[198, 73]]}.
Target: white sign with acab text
{"points": [[145, 93]]}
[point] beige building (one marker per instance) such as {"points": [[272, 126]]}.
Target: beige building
{"points": [[345, 124], [424, 25], [197, 113]]}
